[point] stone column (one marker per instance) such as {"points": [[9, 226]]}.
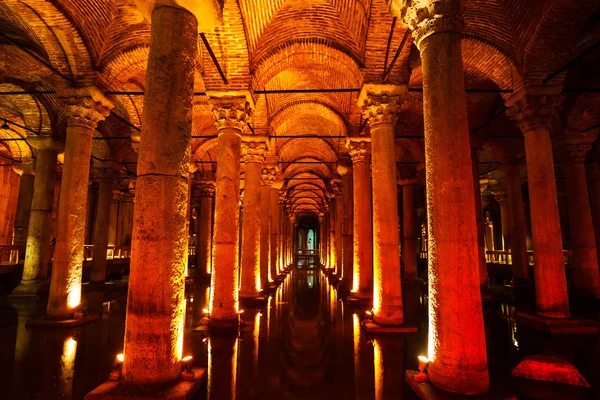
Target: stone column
{"points": [[331, 225], [322, 237], [594, 174], [253, 154], [159, 247], [106, 172], [339, 221], [586, 277], [27, 173], [362, 283], [501, 197], [114, 217], [477, 191], [268, 177], [274, 245], [518, 240], [35, 269], [348, 222], [84, 108], [410, 230], [231, 115], [380, 104], [533, 109], [457, 352], [204, 228], [282, 262]]}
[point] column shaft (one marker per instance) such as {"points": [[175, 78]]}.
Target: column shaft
{"points": [[265, 235], [333, 246], [348, 222], [38, 238], [458, 361], [101, 225], [410, 230], [204, 231], [250, 281], [159, 248], [363, 230], [481, 261], [518, 239], [24, 206], [274, 199]]}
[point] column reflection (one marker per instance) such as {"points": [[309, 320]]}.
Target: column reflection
{"points": [[222, 367]]}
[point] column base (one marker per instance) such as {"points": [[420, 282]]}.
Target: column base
{"points": [[31, 289], [557, 326], [413, 281], [373, 327], [64, 323], [253, 302], [223, 325], [427, 391], [360, 300], [181, 390]]}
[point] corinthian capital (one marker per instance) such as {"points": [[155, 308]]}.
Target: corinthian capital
{"points": [[84, 106], [205, 189], [268, 176], [253, 151], [571, 154], [380, 103], [534, 107], [231, 110], [359, 150], [426, 17]]}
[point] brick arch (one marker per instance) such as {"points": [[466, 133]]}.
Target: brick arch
{"points": [[203, 148], [39, 112], [550, 45], [58, 35], [18, 149], [301, 104]]}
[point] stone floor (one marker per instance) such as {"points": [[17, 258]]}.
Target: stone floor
{"points": [[306, 344]]}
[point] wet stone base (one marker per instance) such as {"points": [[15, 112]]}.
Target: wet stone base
{"points": [[372, 327], [66, 323], [427, 391], [557, 326], [182, 390]]}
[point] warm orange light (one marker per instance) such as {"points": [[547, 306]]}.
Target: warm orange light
{"points": [[241, 312], [120, 357], [423, 359], [187, 358], [205, 310], [67, 366], [74, 295]]}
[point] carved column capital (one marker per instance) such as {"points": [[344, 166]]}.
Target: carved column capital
{"points": [[254, 152], [84, 106], [336, 186], [268, 175], [380, 103], [42, 142], [360, 151], [571, 154], [231, 110], [534, 107], [205, 189], [501, 197], [426, 17]]}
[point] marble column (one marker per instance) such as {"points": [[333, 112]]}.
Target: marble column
{"points": [[268, 177], [106, 172], [347, 222], [35, 268], [204, 228], [159, 247], [281, 259], [331, 225], [594, 175], [27, 173], [253, 155], [113, 217], [457, 350], [586, 277], [274, 230], [231, 114], [362, 282], [409, 227], [501, 197], [533, 108], [84, 108], [380, 104], [518, 235], [339, 222], [477, 191]]}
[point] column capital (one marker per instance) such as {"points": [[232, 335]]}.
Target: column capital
{"points": [[253, 151], [268, 175], [574, 153], [534, 107], [336, 186], [426, 17], [231, 109], [205, 189], [26, 167], [409, 182], [44, 142], [84, 106], [209, 14], [360, 150], [501, 197], [380, 103], [105, 169]]}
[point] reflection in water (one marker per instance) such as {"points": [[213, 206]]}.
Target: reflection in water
{"points": [[67, 367], [222, 367]]}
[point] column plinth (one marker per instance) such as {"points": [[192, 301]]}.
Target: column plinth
{"points": [[586, 277], [253, 156], [84, 108], [231, 114], [458, 361], [35, 269], [159, 247], [534, 112], [380, 104], [362, 280]]}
